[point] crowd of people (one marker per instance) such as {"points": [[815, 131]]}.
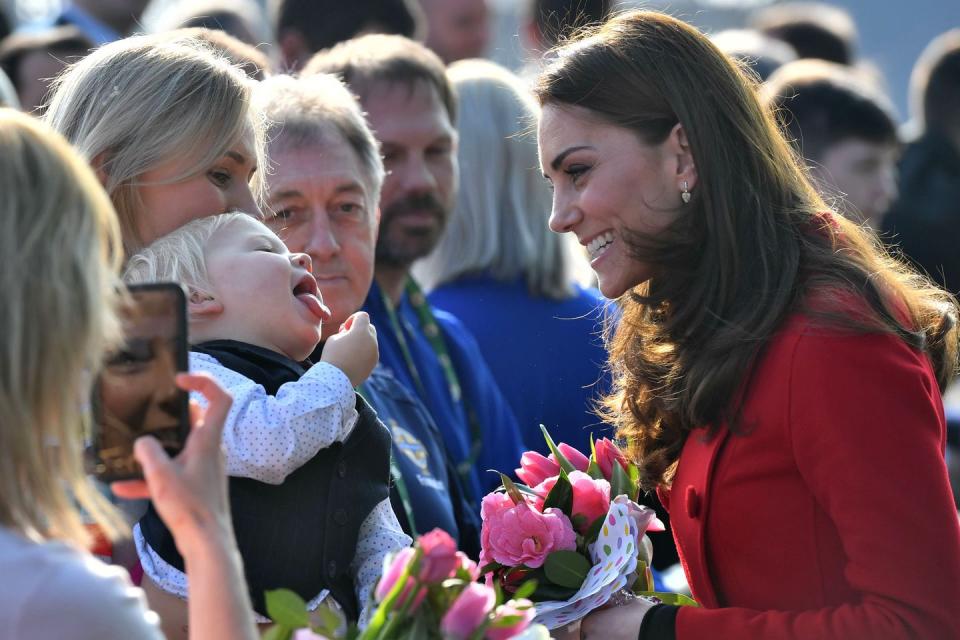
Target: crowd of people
{"points": [[399, 260]]}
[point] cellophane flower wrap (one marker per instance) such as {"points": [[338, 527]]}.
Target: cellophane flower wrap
{"points": [[572, 533], [428, 591]]}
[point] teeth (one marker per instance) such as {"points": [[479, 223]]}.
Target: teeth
{"points": [[596, 246]]}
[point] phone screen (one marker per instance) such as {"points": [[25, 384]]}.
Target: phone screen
{"points": [[135, 393]]}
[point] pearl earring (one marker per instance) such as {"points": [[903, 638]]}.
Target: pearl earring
{"points": [[685, 192]]}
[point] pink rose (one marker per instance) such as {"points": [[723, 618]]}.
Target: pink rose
{"points": [[607, 453], [439, 556], [394, 568], [468, 611], [591, 498], [522, 608], [534, 468], [515, 535]]}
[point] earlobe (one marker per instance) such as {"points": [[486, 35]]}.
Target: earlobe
{"points": [[202, 305], [686, 167]]}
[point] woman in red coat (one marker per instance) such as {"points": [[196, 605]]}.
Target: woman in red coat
{"points": [[778, 375]]}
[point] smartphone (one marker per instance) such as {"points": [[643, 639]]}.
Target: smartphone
{"points": [[135, 393]]}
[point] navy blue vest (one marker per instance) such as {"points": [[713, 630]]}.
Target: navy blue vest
{"points": [[302, 534]]}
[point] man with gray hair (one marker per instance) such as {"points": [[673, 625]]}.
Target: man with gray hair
{"points": [[410, 105], [323, 191]]}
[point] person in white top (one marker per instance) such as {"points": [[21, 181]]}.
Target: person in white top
{"points": [[60, 248], [247, 294]]}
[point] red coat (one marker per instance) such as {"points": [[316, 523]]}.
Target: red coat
{"points": [[833, 516]]}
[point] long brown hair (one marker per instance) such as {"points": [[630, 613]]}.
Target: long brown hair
{"points": [[754, 240]]}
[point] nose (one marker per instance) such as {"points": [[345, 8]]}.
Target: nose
{"points": [[414, 176], [322, 244], [302, 260], [564, 215], [241, 199]]}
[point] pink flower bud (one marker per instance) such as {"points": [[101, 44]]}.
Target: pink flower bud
{"points": [[577, 459], [394, 567], [439, 560], [534, 468], [591, 498], [468, 611], [522, 608], [468, 566], [607, 453], [307, 634]]}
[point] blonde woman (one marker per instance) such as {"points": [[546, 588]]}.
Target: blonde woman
{"points": [[167, 125], [59, 255], [497, 253]]}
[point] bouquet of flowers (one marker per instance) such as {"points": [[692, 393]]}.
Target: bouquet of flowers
{"points": [[574, 528], [428, 591]]}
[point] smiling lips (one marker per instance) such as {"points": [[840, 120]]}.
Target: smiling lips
{"points": [[307, 293], [596, 246]]}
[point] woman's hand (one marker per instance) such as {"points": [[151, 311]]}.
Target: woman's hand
{"points": [[615, 623], [189, 491]]}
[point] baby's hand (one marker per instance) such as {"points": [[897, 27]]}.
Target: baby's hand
{"points": [[354, 350]]}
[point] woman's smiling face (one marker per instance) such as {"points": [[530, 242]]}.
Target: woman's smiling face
{"points": [[606, 182]]}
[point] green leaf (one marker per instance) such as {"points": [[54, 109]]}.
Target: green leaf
{"points": [[565, 464], [620, 483], [566, 568], [593, 470], [278, 632], [561, 495], [677, 599], [593, 531], [547, 591], [525, 591], [512, 490], [287, 608], [330, 621]]}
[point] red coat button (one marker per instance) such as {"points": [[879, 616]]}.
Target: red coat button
{"points": [[692, 502]]}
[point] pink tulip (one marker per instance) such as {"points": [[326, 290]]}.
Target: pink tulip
{"points": [[394, 568], [523, 608], [534, 468], [591, 498], [516, 535], [468, 612], [439, 556], [577, 459], [607, 453]]}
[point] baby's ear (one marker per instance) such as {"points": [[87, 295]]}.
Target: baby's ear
{"points": [[202, 305]]}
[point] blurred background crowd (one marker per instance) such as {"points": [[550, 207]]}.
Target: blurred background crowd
{"points": [[868, 90]]}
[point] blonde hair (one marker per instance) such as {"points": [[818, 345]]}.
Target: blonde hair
{"points": [[179, 256], [136, 103], [60, 251], [499, 224], [307, 111]]}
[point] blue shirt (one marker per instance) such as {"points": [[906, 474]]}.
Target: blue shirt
{"points": [[501, 446], [546, 355]]}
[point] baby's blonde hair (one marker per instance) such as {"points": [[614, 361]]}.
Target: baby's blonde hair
{"points": [[60, 251], [137, 103], [179, 256]]}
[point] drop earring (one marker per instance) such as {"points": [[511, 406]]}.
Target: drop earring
{"points": [[685, 192]]}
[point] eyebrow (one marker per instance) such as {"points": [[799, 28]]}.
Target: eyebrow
{"points": [[350, 187], [236, 156], [555, 164]]}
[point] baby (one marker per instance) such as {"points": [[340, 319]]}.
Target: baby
{"points": [[308, 459]]}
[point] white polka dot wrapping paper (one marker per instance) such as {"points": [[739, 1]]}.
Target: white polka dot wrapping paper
{"points": [[614, 557]]}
